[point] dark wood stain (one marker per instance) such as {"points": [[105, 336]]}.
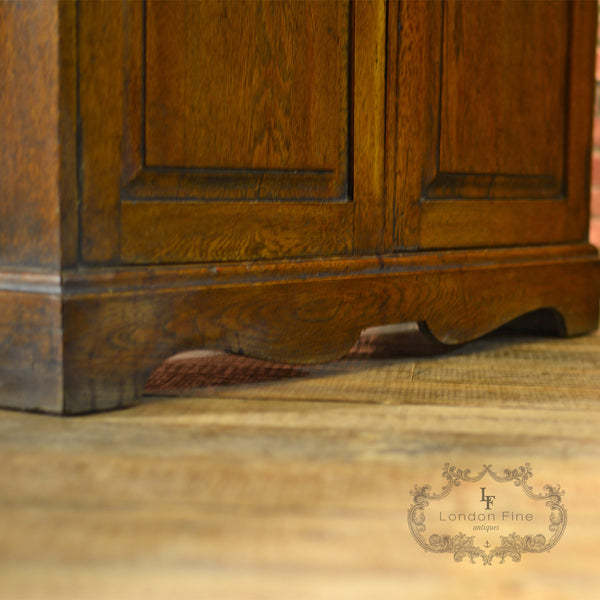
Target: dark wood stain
{"points": [[270, 178]]}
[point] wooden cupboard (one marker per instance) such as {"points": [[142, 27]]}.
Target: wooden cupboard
{"points": [[269, 178]]}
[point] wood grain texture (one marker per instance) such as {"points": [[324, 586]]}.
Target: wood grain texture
{"points": [[447, 223], [372, 231], [101, 82], [328, 148], [299, 489], [264, 87], [416, 28], [68, 134], [579, 140], [220, 115], [308, 319], [504, 80], [175, 232], [289, 173], [62, 340], [437, 194], [30, 144], [541, 220], [31, 375]]}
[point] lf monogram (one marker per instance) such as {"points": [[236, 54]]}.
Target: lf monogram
{"points": [[489, 500]]}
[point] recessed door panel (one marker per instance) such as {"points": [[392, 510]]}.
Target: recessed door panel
{"points": [[235, 129], [485, 91]]}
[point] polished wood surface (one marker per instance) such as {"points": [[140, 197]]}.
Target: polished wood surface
{"points": [[306, 175], [31, 375], [170, 185], [300, 488], [281, 105], [518, 51], [284, 314], [29, 148], [472, 184]]}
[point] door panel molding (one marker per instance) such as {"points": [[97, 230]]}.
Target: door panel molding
{"points": [[157, 109], [135, 211], [535, 203]]}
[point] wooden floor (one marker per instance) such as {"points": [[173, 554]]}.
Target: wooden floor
{"points": [[299, 488]]}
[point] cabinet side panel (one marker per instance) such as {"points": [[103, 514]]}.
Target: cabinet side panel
{"points": [[67, 122], [543, 205], [30, 350], [29, 135], [236, 138]]}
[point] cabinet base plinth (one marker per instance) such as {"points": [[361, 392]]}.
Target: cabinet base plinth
{"points": [[91, 343]]}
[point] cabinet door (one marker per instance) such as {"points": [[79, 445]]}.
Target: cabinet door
{"points": [[492, 122], [215, 130]]}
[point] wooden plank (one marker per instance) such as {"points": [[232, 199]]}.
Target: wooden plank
{"points": [[504, 80], [29, 144], [252, 93], [372, 231], [31, 351], [300, 319], [299, 489], [101, 77], [447, 223], [115, 172], [67, 123], [581, 95], [178, 232], [417, 26], [444, 203]]}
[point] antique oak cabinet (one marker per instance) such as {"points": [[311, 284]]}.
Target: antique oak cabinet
{"points": [[270, 178]]}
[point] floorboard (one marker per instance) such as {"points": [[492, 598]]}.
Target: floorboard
{"points": [[299, 487]]}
